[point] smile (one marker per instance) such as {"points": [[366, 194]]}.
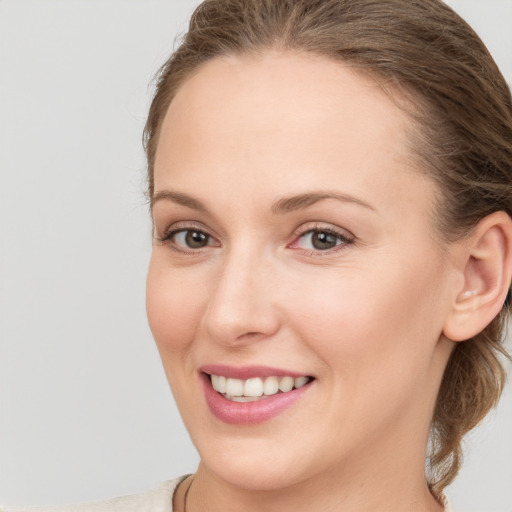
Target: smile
{"points": [[256, 388], [251, 395]]}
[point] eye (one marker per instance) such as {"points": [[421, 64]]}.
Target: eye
{"points": [[183, 239], [321, 239], [191, 239]]}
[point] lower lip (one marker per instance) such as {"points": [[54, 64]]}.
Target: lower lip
{"points": [[249, 413]]}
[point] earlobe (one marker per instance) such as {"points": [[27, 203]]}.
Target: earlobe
{"points": [[487, 271]]}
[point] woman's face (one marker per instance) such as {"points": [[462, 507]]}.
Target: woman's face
{"points": [[295, 243]]}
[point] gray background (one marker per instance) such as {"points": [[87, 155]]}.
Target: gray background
{"points": [[85, 412]]}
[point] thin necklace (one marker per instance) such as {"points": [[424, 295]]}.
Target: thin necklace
{"points": [[186, 495]]}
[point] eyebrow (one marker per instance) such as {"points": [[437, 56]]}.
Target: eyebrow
{"points": [[298, 202], [282, 206], [179, 198]]}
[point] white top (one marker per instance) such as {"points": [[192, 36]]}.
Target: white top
{"points": [[155, 500]]}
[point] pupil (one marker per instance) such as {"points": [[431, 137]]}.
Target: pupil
{"points": [[324, 240], [196, 239]]}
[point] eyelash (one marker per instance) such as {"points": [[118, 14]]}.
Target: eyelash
{"points": [[342, 240], [167, 239]]}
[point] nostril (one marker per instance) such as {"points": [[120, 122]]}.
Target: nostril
{"points": [[250, 335]]}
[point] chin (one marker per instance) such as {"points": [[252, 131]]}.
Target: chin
{"points": [[252, 464], [255, 476]]}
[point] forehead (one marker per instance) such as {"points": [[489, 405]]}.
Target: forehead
{"points": [[282, 120], [285, 90]]}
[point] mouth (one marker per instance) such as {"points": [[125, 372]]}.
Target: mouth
{"points": [[256, 388], [251, 395]]}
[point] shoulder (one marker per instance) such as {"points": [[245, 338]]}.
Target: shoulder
{"points": [[155, 500]]}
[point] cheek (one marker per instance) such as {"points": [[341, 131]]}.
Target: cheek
{"points": [[173, 306], [375, 338], [367, 316]]}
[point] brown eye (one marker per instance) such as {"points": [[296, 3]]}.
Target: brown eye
{"points": [[321, 240], [196, 239], [191, 239]]}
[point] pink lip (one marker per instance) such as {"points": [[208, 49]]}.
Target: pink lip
{"points": [[247, 372], [248, 413]]}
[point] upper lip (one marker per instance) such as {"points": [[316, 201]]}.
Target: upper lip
{"points": [[248, 372]]}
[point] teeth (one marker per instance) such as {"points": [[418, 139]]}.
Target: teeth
{"points": [[221, 384], [300, 381], [234, 387], [286, 384], [255, 388], [271, 386], [243, 398]]}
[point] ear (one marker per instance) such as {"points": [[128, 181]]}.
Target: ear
{"points": [[486, 265]]}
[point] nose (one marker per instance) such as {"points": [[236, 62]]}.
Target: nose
{"points": [[242, 305]]}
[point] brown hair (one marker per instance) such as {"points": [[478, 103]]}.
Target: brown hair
{"points": [[463, 114]]}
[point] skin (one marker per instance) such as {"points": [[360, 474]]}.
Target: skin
{"points": [[365, 318]]}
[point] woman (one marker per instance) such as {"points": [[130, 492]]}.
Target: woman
{"points": [[331, 193], [331, 189]]}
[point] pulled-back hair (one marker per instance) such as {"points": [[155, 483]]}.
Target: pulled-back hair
{"points": [[462, 112]]}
